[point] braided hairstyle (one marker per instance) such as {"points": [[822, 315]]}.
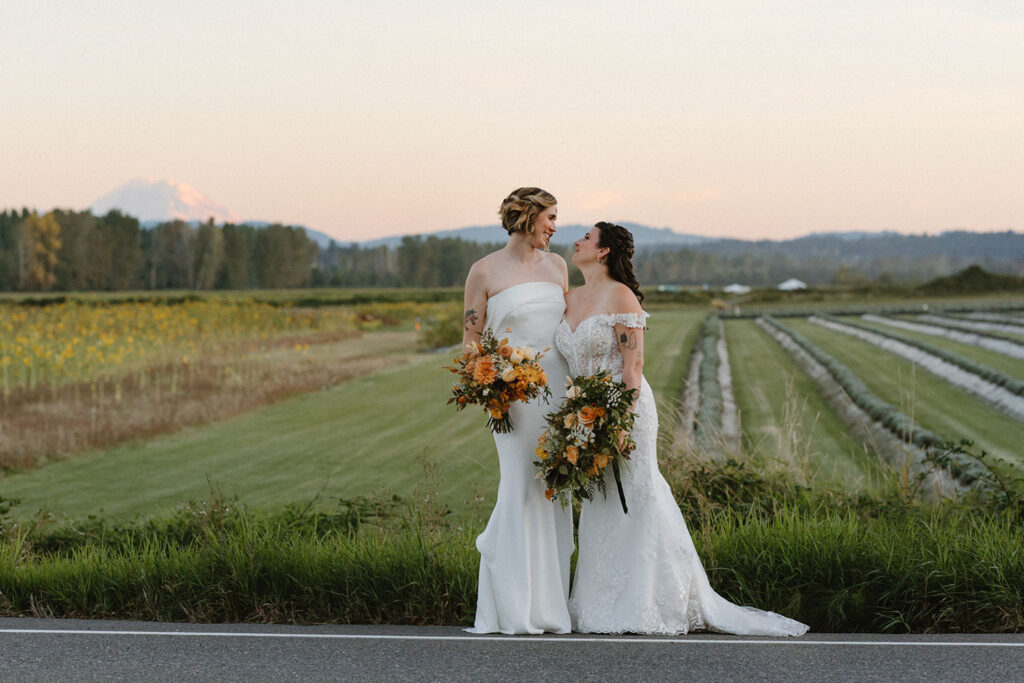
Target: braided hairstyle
{"points": [[519, 209], [619, 243]]}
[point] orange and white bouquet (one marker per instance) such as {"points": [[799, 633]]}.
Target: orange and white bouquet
{"points": [[589, 432], [493, 374]]}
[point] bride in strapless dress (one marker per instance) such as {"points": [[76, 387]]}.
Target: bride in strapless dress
{"points": [[519, 293], [636, 572]]}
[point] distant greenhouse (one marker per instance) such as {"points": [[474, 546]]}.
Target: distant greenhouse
{"points": [[791, 284]]}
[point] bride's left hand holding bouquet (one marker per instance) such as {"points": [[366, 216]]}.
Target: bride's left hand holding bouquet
{"points": [[493, 374]]}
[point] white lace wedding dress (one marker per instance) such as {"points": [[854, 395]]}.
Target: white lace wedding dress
{"points": [[526, 548], [640, 573]]}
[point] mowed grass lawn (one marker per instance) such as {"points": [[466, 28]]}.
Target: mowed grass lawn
{"points": [[933, 402], [364, 437], [785, 418]]}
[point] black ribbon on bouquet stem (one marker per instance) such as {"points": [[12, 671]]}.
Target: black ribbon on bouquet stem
{"points": [[618, 485]]}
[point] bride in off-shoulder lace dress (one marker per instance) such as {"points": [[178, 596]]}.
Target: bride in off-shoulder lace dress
{"points": [[636, 572]]}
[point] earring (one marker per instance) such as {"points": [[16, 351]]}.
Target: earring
{"points": [[601, 260]]}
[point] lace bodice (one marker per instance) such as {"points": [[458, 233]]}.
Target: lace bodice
{"points": [[592, 346]]}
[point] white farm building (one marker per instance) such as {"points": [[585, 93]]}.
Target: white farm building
{"points": [[791, 284], [736, 288]]}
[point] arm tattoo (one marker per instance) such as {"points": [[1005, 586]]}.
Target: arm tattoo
{"points": [[470, 319], [628, 342]]}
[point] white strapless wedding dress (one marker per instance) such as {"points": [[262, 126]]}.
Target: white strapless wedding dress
{"points": [[640, 573], [526, 548]]}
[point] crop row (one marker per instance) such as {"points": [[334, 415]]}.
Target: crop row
{"points": [[980, 329], [1011, 384], [1002, 346], [709, 412], [884, 413]]}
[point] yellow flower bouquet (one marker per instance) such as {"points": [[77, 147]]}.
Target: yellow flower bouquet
{"points": [[493, 374], [588, 433]]}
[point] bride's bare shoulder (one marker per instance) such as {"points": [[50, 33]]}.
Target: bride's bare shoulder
{"points": [[623, 300], [485, 267]]}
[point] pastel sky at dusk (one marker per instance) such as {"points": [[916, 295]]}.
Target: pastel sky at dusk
{"points": [[364, 119]]}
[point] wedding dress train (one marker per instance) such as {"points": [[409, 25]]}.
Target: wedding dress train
{"points": [[640, 573], [527, 544]]}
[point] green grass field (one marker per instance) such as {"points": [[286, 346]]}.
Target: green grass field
{"points": [[363, 437], [668, 342], [784, 417], [930, 400]]}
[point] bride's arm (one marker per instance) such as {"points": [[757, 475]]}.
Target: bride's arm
{"points": [[631, 344], [474, 312]]}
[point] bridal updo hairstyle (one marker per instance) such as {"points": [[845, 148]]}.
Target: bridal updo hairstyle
{"points": [[522, 206], [619, 243]]}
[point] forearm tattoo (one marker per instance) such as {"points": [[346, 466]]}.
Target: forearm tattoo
{"points": [[470, 320]]}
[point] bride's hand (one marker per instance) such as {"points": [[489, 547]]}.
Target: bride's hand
{"points": [[623, 440]]}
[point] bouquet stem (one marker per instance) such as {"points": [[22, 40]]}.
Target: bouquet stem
{"points": [[501, 425]]}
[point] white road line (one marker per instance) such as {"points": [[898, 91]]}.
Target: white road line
{"points": [[517, 639]]}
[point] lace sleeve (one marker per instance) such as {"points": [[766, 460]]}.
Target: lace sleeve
{"points": [[629, 319]]}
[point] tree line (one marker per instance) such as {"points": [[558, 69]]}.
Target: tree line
{"points": [[77, 251]]}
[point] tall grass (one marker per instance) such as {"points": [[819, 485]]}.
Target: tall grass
{"points": [[836, 562]]}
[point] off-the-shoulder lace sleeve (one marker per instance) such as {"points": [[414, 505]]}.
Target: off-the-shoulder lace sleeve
{"points": [[629, 319]]}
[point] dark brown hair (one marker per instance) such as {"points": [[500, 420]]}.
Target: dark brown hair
{"points": [[519, 209], [619, 243]]}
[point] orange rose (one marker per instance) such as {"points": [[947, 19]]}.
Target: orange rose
{"points": [[484, 372], [572, 454], [504, 351], [588, 415], [601, 460]]}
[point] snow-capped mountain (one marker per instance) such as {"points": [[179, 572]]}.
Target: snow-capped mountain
{"points": [[158, 201], [152, 200]]}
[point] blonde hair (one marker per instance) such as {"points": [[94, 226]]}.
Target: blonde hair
{"points": [[519, 209]]}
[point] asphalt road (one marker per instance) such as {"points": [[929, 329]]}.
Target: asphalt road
{"points": [[51, 649]]}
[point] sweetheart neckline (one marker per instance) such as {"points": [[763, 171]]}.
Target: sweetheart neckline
{"points": [[590, 317]]}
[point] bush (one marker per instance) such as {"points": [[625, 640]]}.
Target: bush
{"points": [[443, 329]]}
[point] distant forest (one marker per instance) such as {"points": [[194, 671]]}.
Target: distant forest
{"points": [[77, 251]]}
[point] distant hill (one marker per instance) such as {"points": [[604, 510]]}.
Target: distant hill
{"points": [[973, 280], [643, 236]]}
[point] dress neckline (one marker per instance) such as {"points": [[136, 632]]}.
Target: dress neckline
{"points": [[521, 284], [578, 326], [596, 315]]}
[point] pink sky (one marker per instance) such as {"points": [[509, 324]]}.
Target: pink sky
{"points": [[363, 119]]}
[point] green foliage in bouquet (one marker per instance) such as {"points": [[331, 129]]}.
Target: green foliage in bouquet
{"points": [[589, 432]]}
